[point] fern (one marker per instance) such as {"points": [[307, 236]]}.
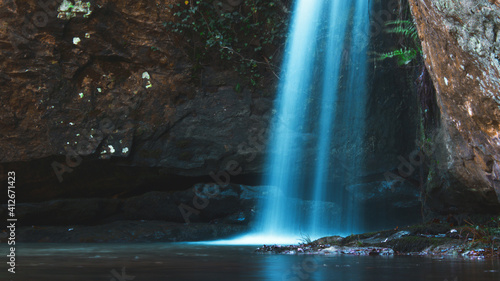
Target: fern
{"points": [[404, 27], [405, 54]]}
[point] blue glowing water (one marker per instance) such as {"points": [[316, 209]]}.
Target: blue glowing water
{"points": [[319, 121]]}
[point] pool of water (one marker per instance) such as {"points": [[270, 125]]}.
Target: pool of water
{"points": [[126, 262]]}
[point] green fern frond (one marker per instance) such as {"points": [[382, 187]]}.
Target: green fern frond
{"points": [[404, 27], [404, 56], [410, 32], [407, 29]]}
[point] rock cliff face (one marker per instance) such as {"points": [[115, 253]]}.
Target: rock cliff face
{"points": [[99, 94], [461, 44], [105, 78]]}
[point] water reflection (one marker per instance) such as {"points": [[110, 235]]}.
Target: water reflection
{"points": [[201, 262]]}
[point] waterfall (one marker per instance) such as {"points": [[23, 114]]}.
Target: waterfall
{"points": [[317, 133]]}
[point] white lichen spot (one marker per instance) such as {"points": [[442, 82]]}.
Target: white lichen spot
{"points": [[87, 35], [68, 10], [469, 109], [145, 75], [496, 139], [99, 90], [125, 150], [65, 6], [80, 95], [462, 67], [77, 135], [71, 123], [446, 81], [76, 40], [111, 149]]}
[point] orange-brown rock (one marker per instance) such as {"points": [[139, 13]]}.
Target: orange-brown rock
{"points": [[461, 44], [106, 78]]}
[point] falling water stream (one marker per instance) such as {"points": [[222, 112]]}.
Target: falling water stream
{"points": [[318, 123]]}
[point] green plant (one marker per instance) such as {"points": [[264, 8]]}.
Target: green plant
{"points": [[245, 35], [305, 239], [237, 88], [403, 27], [411, 47], [486, 234]]}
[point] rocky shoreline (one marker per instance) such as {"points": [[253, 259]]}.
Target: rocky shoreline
{"points": [[433, 239]]}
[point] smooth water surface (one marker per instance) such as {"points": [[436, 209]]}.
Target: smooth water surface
{"points": [[164, 261]]}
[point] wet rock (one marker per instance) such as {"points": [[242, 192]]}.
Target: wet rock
{"points": [[329, 240], [399, 235], [358, 251], [325, 250], [461, 47]]}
